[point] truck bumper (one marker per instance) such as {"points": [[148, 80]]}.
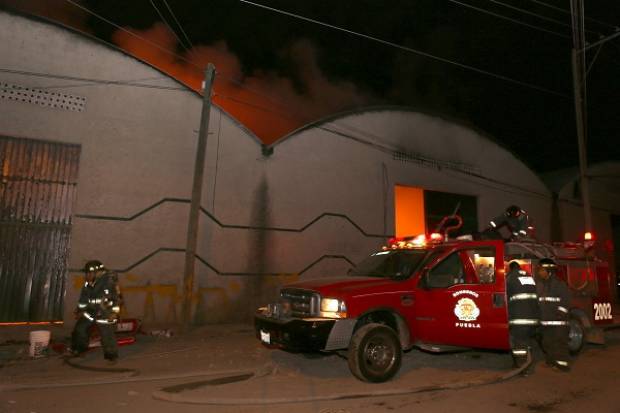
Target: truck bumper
{"points": [[294, 334]]}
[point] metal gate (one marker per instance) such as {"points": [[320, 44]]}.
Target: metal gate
{"points": [[37, 190]]}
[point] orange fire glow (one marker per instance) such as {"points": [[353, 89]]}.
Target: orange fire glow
{"points": [[264, 102]]}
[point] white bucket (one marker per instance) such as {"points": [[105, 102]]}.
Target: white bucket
{"points": [[39, 340]]}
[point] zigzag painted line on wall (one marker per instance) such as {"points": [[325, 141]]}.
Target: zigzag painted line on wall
{"points": [[218, 272], [222, 225]]}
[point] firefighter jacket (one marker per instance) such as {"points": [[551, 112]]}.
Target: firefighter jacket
{"points": [[518, 226], [554, 301], [100, 300], [523, 308]]}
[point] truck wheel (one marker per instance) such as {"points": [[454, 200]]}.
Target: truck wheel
{"points": [[374, 353], [576, 334]]}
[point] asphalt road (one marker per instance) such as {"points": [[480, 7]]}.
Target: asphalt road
{"points": [[590, 386]]}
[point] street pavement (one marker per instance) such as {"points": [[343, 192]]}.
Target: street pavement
{"points": [[225, 369]]}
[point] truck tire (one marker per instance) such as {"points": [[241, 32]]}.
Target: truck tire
{"points": [[576, 334], [375, 353]]}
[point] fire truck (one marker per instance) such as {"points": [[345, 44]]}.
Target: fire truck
{"points": [[432, 292]]}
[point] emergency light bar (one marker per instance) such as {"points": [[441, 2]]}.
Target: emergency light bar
{"points": [[420, 240]]}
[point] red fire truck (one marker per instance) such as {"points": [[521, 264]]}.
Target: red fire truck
{"points": [[431, 292]]}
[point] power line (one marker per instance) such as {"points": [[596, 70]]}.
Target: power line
{"points": [[198, 67], [370, 139], [540, 16], [542, 3], [163, 19], [90, 80], [263, 108], [229, 78], [409, 49], [482, 10], [163, 49], [178, 24]]}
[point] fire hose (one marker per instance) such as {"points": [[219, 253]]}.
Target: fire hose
{"points": [[172, 394]]}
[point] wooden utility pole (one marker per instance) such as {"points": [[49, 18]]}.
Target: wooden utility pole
{"points": [[579, 79], [194, 209]]}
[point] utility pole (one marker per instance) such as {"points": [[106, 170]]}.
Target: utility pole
{"points": [[581, 139], [579, 73], [194, 209]]}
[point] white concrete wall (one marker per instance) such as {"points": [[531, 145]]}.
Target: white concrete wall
{"points": [[138, 147]]}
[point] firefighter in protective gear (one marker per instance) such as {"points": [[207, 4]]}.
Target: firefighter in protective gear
{"points": [[515, 219], [523, 313], [99, 304], [554, 301]]}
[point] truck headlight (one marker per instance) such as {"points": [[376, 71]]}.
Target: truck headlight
{"points": [[333, 308]]}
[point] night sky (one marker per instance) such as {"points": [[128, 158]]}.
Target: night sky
{"points": [[276, 72]]}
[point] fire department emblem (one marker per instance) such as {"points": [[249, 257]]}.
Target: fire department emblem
{"points": [[466, 309]]}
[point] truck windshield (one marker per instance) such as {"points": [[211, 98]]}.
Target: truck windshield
{"points": [[390, 264]]}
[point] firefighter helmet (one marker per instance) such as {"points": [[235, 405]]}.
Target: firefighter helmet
{"points": [[93, 265], [513, 211], [548, 264]]}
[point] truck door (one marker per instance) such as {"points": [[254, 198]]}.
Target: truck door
{"points": [[460, 300]]}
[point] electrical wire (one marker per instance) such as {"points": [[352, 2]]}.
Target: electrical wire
{"points": [[168, 51], [485, 11], [578, 22], [178, 24], [217, 161], [408, 49], [227, 77], [540, 16], [542, 3], [90, 81], [165, 21], [350, 132], [156, 45], [264, 109]]}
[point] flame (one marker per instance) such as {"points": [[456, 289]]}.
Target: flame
{"points": [[266, 103]]}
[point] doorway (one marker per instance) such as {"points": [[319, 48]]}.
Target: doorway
{"points": [[37, 190]]}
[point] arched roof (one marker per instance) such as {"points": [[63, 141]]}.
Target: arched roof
{"points": [[608, 171], [114, 48], [383, 108]]}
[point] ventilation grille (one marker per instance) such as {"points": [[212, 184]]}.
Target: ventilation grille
{"points": [[42, 97], [434, 163]]}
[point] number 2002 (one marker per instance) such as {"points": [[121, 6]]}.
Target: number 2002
{"points": [[602, 311]]}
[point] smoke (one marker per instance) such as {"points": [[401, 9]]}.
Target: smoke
{"points": [[266, 103], [57, 10]]}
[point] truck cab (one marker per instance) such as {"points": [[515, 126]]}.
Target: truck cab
{"points": [[424, 291]]}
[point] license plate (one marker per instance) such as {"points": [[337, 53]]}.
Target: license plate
{"points": [[265, 337]]}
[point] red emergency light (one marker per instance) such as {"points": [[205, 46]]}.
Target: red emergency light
{"points": [[414, 241], [588, 236], [435, 236]]}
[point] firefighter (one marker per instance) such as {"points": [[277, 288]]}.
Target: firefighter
{"points": [[515, 219], [523, 313], [99, 304], [554, 301]]}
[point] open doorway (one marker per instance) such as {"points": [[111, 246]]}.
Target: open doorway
{"points": [[418, 211], [408, 211]]}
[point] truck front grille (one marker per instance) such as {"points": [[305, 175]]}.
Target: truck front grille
{"points": [[302, 303]]}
